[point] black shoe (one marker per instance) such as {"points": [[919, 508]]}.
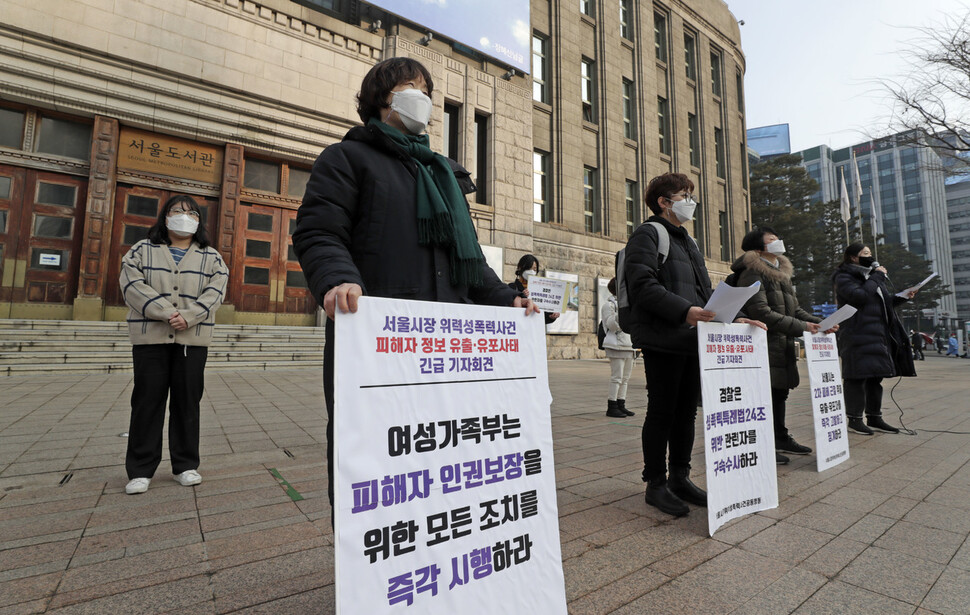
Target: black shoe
{"points": [[662, 499], [876, 422], [622, 404], [858, 426], [788, 445], [781, 459], [681, 486], [613, 409]]}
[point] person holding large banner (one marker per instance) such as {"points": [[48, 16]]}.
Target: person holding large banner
{"points": [[667, 284], [776, 305], [383, 215], [873, 343]]}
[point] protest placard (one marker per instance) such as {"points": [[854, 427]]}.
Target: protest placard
{"points": [[739, 441], [828, 405], [548, 294], [445, 489]]}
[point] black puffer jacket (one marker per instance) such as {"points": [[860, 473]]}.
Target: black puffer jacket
{"points": [[661, 295], [776, 305], [358, 223], [873, 343]]}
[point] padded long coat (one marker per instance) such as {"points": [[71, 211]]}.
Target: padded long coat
{"points": [[776, 305], [873, 343]]}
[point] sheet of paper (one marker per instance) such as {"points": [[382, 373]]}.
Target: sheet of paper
{"points": [[843, 313], [728, 300], [905, 293]]}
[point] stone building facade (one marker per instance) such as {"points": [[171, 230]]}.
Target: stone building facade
{"points": [[107, 107]]}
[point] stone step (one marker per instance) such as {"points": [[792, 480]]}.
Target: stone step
{"points": [[57, 358], [124, 345]]}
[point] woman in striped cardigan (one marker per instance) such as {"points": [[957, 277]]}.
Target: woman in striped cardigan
{"points": [[173, 282]]}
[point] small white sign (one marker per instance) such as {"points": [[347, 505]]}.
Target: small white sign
{"points": [[547, 293], [739, 440], [50, 260], [828, 405]]}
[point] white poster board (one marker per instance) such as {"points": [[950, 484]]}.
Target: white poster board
{"points": [[739, 440], [549, 294], [828, 405], [494, 258], [445, 494], [568, 321]]}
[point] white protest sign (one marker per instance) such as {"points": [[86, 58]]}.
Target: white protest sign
{"points": [[828, 406], [739, 441], [548, 294], [445, 493]]}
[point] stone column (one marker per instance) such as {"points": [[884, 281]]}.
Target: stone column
{"points": [[99, 210], [226, 230]]}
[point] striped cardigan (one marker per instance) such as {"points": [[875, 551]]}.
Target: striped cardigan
{"points": [[154, 288]]}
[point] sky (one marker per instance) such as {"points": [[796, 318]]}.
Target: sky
{"points": [[815, 64]]}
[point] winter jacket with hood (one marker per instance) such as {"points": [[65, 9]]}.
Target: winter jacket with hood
{"points": [[873, 343], [358, 224], [776, 305]]}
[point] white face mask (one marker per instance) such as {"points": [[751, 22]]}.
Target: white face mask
{"points": [[528, 274], [182, 225], [776, 247], [414, 108], [684, 210]]}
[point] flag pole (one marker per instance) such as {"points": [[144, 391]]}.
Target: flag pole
{"points": [[844, 198]]}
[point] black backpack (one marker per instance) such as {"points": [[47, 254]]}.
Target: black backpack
{"points": [[600, 335]]}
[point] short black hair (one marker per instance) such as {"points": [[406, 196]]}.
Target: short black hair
{"points": [[525, 263], [755, 238], [852, 250], [384, 77], [159, 232], [611, 286], [664, 186]]}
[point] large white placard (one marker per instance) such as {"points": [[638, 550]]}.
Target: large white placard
{"points": [[739, 440], [568, 321], [828, 406], [445, 488]]}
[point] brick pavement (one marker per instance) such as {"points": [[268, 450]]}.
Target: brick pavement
{"points": [[885, 532]]}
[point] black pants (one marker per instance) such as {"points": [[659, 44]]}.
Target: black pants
{"points": [[918, 353], [862, 394], [160, 370], [778, 399], [673, 389]]}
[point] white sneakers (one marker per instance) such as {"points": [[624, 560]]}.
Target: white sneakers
{"points": [[137, 485], [188, 478], [140, 485]]}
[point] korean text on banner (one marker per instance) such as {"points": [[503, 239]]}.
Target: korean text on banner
{"points": [[828, 406], [548, 294], [445, 489], [739, 441]]}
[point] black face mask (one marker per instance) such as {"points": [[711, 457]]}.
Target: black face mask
{"points": [[866, 261]]}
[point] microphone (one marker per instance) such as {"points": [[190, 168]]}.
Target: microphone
{"points": [[875, 265]]}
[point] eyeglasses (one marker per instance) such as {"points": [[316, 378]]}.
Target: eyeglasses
{"points": [[189, 212]]}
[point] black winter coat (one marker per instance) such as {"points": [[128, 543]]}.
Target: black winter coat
{"points": [[358, 224], [873, 343], [776, 305], [661, 295]]}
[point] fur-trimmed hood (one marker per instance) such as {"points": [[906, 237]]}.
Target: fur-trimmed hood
{"points": [[752, 260]]}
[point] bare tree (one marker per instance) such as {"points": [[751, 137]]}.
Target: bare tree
{"points": [[932, 104]]}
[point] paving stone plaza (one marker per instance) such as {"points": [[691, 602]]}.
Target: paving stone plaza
{"points": [[883, 533]]}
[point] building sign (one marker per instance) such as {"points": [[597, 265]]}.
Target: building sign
{"points": [[828, 405], [445, 485], [499, 28], [739, 440], [150, 152]]}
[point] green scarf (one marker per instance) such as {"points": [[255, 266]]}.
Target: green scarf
{"points": [[443, 218]]}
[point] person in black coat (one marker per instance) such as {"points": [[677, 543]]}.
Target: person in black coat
{"points": [[666, 303], [384, 215], [776, 305], [917, 340], [529, 266], [873, 343]]}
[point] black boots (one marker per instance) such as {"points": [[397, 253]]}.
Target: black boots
{"points": [[613, 409], [875, 422], [622, 404], [662, 499], [680, 485], [856, 425]]}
